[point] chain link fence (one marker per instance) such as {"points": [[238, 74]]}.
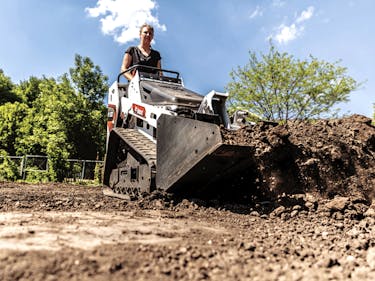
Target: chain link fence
{"points": [[77, 170]]}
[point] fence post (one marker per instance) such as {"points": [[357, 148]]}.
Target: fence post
{"points": [[83, 170], [24, 163], [21, 166]]}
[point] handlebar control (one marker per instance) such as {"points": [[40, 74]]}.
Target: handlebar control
{"points": [[145, 67]]}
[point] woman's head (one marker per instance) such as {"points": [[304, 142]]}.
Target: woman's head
{"points": [[146, 34], [146, 28]]}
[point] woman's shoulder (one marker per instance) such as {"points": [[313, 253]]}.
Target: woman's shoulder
{"points": [[155, 53], [131, 50]]}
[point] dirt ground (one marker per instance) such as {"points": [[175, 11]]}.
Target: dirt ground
{"points": [[306, 212]]}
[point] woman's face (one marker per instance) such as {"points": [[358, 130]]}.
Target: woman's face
{"points": [[146, 34]]}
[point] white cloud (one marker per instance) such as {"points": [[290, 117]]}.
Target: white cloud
{"points": [[286, 33], [256, 13], [305, 15], [122, 18]]}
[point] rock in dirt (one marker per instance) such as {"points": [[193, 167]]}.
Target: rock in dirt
{"points": [[339, 203]]}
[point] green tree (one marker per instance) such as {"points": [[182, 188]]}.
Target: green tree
{"points": [[278, 87], [89, 80], [90, 131], [60, 118], [8, 169], [45, 130], [11, 116], [29, 90], [6, 89]]}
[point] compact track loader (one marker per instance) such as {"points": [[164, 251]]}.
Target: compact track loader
{"points": [[163, 136]]}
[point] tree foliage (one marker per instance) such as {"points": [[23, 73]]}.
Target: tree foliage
{"points": [[11, 116], [45, 130], [89, 80], [91, 86], [61, 118], [6, 89], [277, 87], [8, 169], [29, 90]]}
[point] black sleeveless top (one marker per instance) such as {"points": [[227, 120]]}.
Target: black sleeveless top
{"points": [[139, 58]]}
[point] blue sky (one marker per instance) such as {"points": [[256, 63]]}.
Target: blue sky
{"points": [[202, 39]]}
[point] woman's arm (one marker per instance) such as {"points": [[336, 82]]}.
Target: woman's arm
{"points": [[126, 62]]}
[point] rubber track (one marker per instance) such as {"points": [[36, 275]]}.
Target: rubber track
{"points": [[139, 143], [143, 150]]}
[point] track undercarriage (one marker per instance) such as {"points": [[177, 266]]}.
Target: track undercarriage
{"points": [[133, 166]]}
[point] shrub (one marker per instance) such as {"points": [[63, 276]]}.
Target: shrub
{"points": [[9, 170]]}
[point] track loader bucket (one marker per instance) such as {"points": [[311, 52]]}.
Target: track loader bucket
{"points": [[192, 158]]}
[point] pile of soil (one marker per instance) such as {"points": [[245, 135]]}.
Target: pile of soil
{"points": [[310, 215], [330, 157]]}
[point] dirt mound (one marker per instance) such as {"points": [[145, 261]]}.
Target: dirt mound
{"points": [[329, 157]]}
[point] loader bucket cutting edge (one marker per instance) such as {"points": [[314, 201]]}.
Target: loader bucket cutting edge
{"points": [[192, 157]]}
